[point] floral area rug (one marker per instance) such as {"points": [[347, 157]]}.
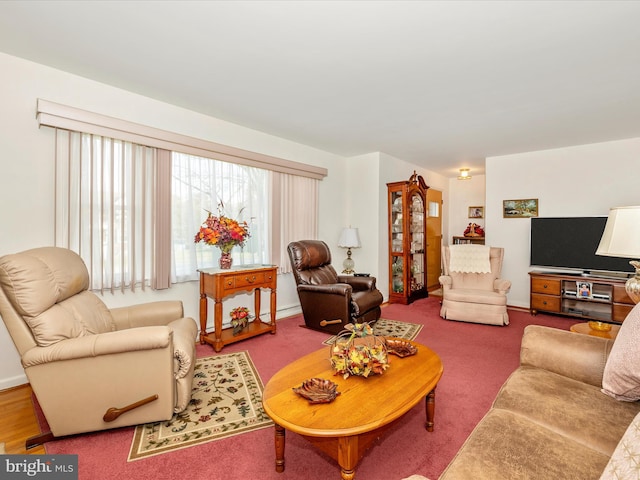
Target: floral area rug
{"points": [[226, 401], [391, 328]]}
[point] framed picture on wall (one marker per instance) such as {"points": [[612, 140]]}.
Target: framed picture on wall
{"points": [[520, 208], [476, 212]]}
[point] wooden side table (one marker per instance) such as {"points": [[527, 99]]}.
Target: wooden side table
{"points": [[585, 329], [217, 284]]}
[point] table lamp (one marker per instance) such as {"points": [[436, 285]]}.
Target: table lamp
{"points": [[349, 239], [621, 238]]}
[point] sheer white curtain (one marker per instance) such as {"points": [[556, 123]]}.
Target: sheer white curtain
{"points": [[200, 185], [295, 216], [104, 207]]}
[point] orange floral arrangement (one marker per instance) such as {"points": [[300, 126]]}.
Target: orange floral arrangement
{"points": [[222, 232], [351, 357]]}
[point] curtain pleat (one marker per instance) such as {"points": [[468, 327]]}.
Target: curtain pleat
{"points": [[297, 216], [104, 208]]}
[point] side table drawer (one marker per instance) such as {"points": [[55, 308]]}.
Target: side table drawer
{"points": [[546, 286], [545, 303], [249, 279]]}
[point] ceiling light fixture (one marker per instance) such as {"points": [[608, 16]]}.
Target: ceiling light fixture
{"points": [[464, 174]]}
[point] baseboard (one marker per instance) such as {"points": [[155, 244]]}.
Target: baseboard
{"points": [[18, 380]]}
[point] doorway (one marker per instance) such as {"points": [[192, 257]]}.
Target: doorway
{"points": [[434, 238]]}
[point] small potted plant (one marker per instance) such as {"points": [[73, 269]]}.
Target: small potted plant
{"points": [[239, 319]]}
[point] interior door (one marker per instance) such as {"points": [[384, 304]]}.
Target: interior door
{"points": [[434, 238]]}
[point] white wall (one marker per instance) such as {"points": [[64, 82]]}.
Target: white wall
{"points": [[26, 173], [578, 181], [462, 195]]}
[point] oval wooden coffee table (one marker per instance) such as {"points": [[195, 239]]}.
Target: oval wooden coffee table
{"points": [[346, 427]]}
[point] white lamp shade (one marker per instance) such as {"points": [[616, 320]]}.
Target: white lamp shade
{"points": [[349, 238], [621, 237]]}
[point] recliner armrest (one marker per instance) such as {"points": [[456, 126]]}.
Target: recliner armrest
{"points": [[446, 281], [134, 339], [573, 355], [358, 283], [147, 314], [333, 289]]}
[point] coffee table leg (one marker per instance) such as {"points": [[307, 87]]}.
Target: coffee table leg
{"points": [[430, 404], [279, 448], [347, 456]]}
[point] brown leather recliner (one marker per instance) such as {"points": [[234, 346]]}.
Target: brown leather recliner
{"points": [[92, 368], [330, 301]]}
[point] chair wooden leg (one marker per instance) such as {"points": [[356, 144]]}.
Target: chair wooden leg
{"points": [[37, 440]]}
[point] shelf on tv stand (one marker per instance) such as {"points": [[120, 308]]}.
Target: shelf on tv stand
{"points": [[557, 293]]}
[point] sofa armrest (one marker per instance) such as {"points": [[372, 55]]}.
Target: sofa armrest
{"points": [[501, 285], [573, 355], [135, 339], [358, 283], [147, 314]]}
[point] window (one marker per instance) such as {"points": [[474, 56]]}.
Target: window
{"points": [[130, 198], [200, 185]]}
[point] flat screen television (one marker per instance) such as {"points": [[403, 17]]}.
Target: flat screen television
{"points": [[571, 243]]}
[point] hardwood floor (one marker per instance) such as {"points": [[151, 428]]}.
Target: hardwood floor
{"points": [[18, 420]]}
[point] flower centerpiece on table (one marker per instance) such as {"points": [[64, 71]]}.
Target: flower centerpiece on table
{"points": [[239, 319], [357, 351], [223, 232]]}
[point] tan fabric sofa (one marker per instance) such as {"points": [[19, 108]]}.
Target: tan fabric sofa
{"points": [[551, 419]]}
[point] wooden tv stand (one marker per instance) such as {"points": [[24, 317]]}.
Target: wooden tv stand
{"points": [[607, 300]]}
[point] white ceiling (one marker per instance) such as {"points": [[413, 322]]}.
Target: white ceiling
{"points": [[440, 84]]}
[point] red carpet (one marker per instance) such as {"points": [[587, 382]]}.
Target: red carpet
{"points": [[477, 360]]}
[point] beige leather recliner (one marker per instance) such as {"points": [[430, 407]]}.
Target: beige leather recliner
{"points": [[92, 368], [475, 297]]}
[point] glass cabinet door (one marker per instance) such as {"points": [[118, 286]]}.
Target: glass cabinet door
{"points": [[397, 243], [417, 260]]}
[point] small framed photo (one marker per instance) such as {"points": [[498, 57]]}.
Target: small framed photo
{"points": [[520, 208], [476, 212], [583, 289]]}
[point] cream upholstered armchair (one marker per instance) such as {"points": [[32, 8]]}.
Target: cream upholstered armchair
{"points": [[472, 290], [92, 368]]}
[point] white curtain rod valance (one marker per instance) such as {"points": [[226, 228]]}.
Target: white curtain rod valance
{"points": [[55, 115]]}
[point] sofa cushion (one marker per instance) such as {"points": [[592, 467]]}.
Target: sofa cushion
{"points": [[475, 296], [506, 446], [625, 461], [621, 378], [574, 409]]}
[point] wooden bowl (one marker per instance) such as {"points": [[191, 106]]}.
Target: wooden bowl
{"points": [[318, 390]]}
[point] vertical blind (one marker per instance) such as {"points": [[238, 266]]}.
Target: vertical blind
{"points": [[117, 192], [104, 207]]}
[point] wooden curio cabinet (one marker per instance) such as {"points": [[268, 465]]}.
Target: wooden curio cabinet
{"points": [[407, 240]]}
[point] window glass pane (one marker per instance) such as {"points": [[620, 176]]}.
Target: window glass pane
{"points": [[434, 209], [201, 185]]}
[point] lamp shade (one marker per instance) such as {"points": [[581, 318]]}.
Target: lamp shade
{"points": [[621, 237], [349, 238]]}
